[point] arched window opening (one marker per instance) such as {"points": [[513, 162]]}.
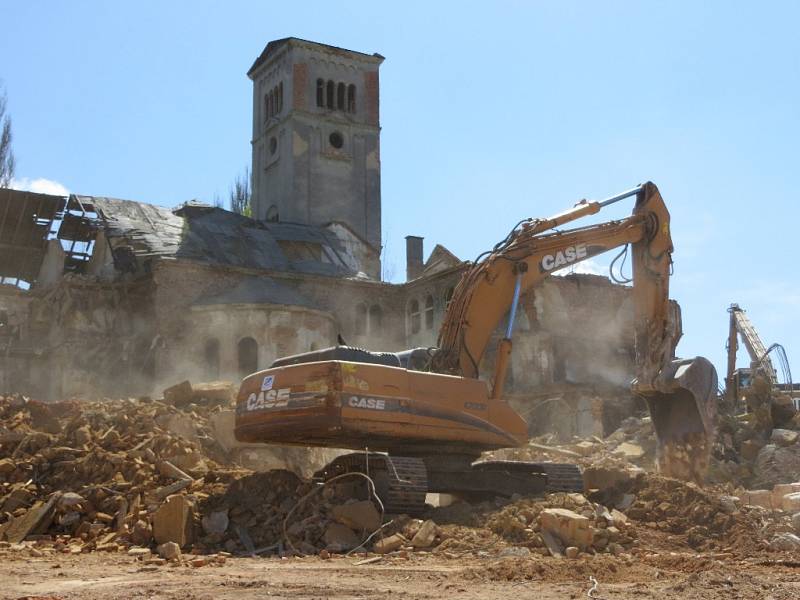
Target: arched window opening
{"points": [[272, 214], [248, 356], [266, 106], [429, 312], [279, 108], [211, 353], [331, 92], [361, 320], [351, 98], [321, 93], [340, 96], [414, 318], [448, 297], [375, 319]]}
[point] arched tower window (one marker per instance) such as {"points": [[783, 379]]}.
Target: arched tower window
{"points": [[248, 356], [211, 354], [414, 318], [321, 93], [429, 312], [279, 107], [361, 320], [351, 98], [272, 104], [375, 319], [266, 106], [340, 96], [330, 93]]}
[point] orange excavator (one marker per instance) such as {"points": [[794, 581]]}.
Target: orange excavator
{"points": [[421, 418]]}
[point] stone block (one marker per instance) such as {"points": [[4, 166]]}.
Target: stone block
{"points": [[425, 536], [585, 448], [222, 392], [169, 551], [630, 451], [796, 521], [785, 541], [340, 538], [729, 504], [389, 544], [216, 523], [780, 490], [791, 502], [569, 527], [173, 521], [762, 498], [359, 516], [179, 394], [784, 437]]}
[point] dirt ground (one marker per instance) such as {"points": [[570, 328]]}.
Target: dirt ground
{"points": [[687, 576]]}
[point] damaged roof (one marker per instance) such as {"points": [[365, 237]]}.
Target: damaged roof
{"points": [[213, 235], [26, 223]]}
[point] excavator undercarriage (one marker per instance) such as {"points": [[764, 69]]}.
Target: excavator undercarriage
{"points": [[402, 481]]}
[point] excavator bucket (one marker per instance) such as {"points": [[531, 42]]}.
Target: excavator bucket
{"points": [[684, 411]]}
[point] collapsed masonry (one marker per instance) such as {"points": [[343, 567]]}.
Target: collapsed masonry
{"points": [[146, 476], [100, 296]]}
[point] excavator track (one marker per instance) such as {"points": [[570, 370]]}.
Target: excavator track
{"points": [[561, 477], [400, 482]]}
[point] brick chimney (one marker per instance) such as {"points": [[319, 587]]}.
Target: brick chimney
{"points": [[413, 257]]}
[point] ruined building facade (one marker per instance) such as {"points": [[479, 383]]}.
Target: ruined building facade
{"points": [[101, 296]]}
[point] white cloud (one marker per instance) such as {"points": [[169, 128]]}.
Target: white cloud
{"points": [[39, 186], [586, 267]]}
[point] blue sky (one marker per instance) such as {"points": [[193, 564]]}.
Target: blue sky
{"points": [[491, 112]]}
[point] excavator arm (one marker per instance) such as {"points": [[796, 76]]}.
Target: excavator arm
{"points": [[680, 394]]}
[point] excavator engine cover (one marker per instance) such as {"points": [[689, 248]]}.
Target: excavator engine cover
{"points": [[683, 411]]}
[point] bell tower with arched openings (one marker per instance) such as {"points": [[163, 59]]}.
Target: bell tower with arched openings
{"points": [[316, 137]]}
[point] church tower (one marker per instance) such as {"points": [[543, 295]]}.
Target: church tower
{"points": [[316, 137]]}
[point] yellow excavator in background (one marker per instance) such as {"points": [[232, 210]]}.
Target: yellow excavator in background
{"points": [[425, 416]]}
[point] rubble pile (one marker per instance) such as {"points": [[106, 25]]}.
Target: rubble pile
{"points": [[563, 525], [102, 473], [151, 477]]}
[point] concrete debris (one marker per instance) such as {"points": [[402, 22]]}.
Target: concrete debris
{"points": [[784, 437], [514, 552], [796, 522], [785, 541], [569, 527], [169, 551], [791, 502], [358, 515], [340, 538], [425, 535], [729, 504], [389, 544], [216, 523]]}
